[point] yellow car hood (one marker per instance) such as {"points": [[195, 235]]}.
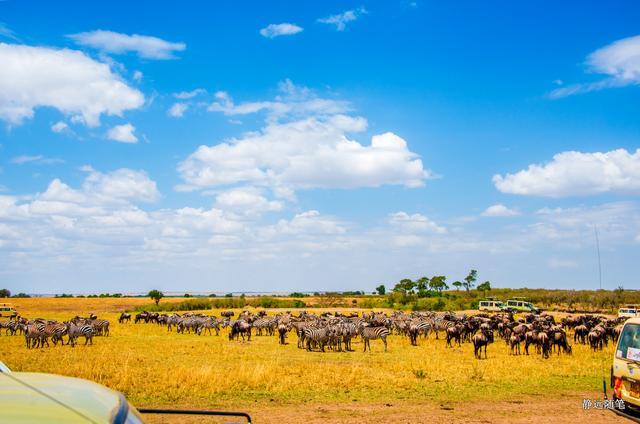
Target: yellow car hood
{"points": [[37, 398]]}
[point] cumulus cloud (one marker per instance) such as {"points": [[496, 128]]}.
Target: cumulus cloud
{"points": [[500, 210], [137, 76], [63, 79], [311, 222], [309, 153], [619, 62], [144, 46], [177, 110], [123, 134], [248, 200], [576, 174], [276, 30], [341, 19], [415, 223]]}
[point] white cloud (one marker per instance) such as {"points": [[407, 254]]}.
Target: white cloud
{"points": [[144, 46], [310, 222], [415, 223], [246, 200], [184, 95], [123, 134], [121, 184], [303, 145], [38, 159], [64, 79], [59, 127], [619, 61], [309, 153], [340, 20], [137, 76], [276, 30], [576, 174], [500, 210], [177, 110]]}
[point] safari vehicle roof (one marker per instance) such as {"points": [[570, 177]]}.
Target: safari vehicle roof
{"points": [[37, 398], [633, 321]]}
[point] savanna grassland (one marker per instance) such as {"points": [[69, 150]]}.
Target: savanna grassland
{"points": [[430, 382]]}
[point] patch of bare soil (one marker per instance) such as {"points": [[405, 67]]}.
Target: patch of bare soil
{"points": [[568, 409]]}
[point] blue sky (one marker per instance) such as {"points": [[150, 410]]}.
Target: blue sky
{"points": [[299, 146]]}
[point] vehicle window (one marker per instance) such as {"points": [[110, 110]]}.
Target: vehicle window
{"points": [[629, 345]]}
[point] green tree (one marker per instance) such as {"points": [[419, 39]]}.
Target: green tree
{"points": [[470, 280], [5, 293], [438, 283], [422, 286], [155, 295], [484, 287], [381, 289], [405, 286], [457, 285]]}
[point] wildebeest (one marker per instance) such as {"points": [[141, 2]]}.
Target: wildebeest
{"points": [[480, 339]]}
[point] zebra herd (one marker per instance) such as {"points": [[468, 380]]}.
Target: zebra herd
{"points": [[336, 331], [37, 332]]}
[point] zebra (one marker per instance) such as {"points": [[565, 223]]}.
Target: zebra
{"points": [[372, 333], [441, 323], [316, 336], [416, 328], [74, 331], [33, 335], [100, 326]]}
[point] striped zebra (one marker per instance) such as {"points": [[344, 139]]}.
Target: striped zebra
{"points": [[55, 331], [417, 327], [317, 336], [83, 330], [100, 327], [33, 335], [441, 323], [373, 333]]}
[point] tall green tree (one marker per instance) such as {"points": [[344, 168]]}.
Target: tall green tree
{"points": [[5, 293], [438, 283], [484, 287], [155, 295], [381, 289], [422, 286], [470, 280], [457, 284], [406, 286]]}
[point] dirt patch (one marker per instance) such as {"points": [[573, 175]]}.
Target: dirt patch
{"points": [[566, 410]]}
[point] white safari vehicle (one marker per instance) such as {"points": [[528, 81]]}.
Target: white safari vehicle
{"points": [[629, 311], [491, 305]]}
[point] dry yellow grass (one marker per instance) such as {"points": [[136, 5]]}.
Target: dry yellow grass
{"points": [[153, 367]]}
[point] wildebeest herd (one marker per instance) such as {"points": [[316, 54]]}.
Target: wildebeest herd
{"points": [[37, 332], [335, 331]]}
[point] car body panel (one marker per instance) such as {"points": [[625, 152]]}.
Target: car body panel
{"points": [[625, 368], [21, 404]]}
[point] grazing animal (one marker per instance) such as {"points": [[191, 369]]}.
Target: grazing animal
{"points": [[124, 317], [373, 333], [480, 340]]}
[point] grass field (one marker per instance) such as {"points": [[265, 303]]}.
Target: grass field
{"points": [[155, 368]]}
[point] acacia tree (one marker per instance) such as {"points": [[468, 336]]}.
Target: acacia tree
{"points": [[381, 289], [438, 283], [484, 287], [5, 293], [422, 286], [457, 285], [155, 295], [405, 286], [470, 280]]}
